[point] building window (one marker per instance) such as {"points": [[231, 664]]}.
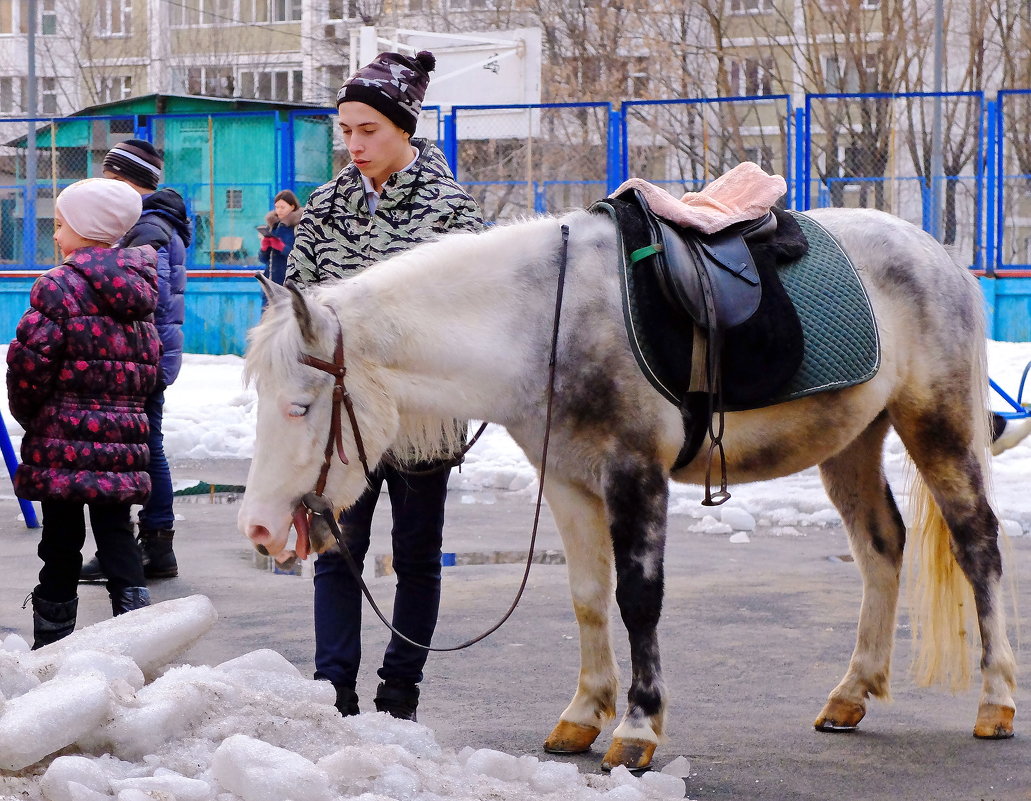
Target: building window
{"points": [[13, 16], [845, 76], [751, 77], [637, 77], [750, 6], [843, 5], [466, 5], [117, 87], [234, 199], [114, 17], [207, 81], [343, 9], [272, 85], [183, 14], [761, 155], [12, 95], [417, 5], [286, 10], [48, 95], [48, 17]]}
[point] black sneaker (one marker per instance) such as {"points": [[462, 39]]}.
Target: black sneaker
{"points": [[398, 699], [91, 573]]}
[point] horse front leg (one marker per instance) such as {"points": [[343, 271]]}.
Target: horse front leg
{"points": [[580, 517], [637, 495]]}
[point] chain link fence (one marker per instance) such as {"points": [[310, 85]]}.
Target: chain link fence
{"points": [[682, 145], [1014, 179], [38, 158], [874, 151], [227, 167], [918, 156], [517, 161]]}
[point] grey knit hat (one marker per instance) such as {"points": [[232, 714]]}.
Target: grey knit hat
{"points": [[394, 85]]}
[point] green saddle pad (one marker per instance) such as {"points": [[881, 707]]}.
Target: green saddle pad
{"points": [[842, 347]]}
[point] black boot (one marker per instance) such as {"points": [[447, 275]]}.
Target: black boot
{"points": [[129, 598], [51, 621], [91, 572], [397, 698], [347, 700], [158, 559]]}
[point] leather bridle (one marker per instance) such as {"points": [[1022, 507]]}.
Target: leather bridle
{"points": [[318, 506], [338, 369]]}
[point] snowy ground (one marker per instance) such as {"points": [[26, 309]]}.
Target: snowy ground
{"points": [[128, 723]]}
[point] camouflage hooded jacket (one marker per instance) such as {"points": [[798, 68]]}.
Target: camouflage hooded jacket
{"points": [[338, 238]]}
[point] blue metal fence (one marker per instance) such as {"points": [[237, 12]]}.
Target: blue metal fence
{"points": [[871, 150]]}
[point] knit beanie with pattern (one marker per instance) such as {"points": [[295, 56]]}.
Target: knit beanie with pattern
{"points": [[101, 209], [394, 85], [137, 161]]}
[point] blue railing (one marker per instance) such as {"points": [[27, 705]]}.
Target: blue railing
{"points": [[548, 157]]}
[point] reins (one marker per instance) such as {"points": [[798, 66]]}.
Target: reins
{"points": [[319, 506]]}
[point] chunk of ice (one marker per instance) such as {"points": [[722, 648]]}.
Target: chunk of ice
{"points": [[151, 637], [680, 766], [737, 518], [257, 771], [50, 717], [663, 785], [67, 770], [495, 764]]}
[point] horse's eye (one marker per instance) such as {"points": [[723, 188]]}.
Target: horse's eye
{"points": [[298, 409]]}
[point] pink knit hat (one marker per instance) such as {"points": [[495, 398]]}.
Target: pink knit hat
{"points": [[101, 209]]}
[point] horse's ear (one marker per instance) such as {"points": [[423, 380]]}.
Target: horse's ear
{"points": [[302, 313], [270, 289]]}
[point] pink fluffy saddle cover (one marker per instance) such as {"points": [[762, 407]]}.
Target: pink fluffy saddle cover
{"points": [[745, 192]]}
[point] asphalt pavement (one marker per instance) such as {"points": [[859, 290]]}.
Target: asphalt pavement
{"points": [[754, 635]]}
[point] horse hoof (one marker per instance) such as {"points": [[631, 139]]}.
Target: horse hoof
{"points": [[632, 754], [571, 738], [838, 715], [994, 722]]}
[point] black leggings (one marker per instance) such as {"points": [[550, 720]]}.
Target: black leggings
{"points": [[64, 533]]}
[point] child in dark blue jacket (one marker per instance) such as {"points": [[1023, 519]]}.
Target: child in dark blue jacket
{"points": [[164, 225]]}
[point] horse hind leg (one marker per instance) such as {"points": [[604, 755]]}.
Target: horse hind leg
{"points": [[950, 452], [580, 518], [855, 482], [636, 496]]}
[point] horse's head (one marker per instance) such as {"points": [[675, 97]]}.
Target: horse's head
{"points": [[295, 410]]}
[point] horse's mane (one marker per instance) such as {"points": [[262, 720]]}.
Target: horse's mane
{"points": [[378, 311]]}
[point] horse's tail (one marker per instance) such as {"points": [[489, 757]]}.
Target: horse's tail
{"points": [[943, 617], [941, 600]]}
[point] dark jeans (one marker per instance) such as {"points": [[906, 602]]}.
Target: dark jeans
{"points": [[60, 548], [157, 512], [417, 504]]}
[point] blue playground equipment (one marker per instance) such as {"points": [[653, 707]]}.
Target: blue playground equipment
{"points": [[1019, 408], [27, 509]]}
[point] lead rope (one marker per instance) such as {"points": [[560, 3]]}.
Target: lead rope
{"points": [[318, 504]]}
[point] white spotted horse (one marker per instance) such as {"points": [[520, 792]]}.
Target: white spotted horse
{"points": [[462, 328]]}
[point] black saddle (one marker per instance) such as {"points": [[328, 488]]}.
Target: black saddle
{"points": [[709, 321]]}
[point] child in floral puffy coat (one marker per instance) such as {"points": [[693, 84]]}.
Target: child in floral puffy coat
{"points": [[84, 361]]}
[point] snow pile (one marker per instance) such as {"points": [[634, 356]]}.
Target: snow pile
{"points": [[80, 722]]}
